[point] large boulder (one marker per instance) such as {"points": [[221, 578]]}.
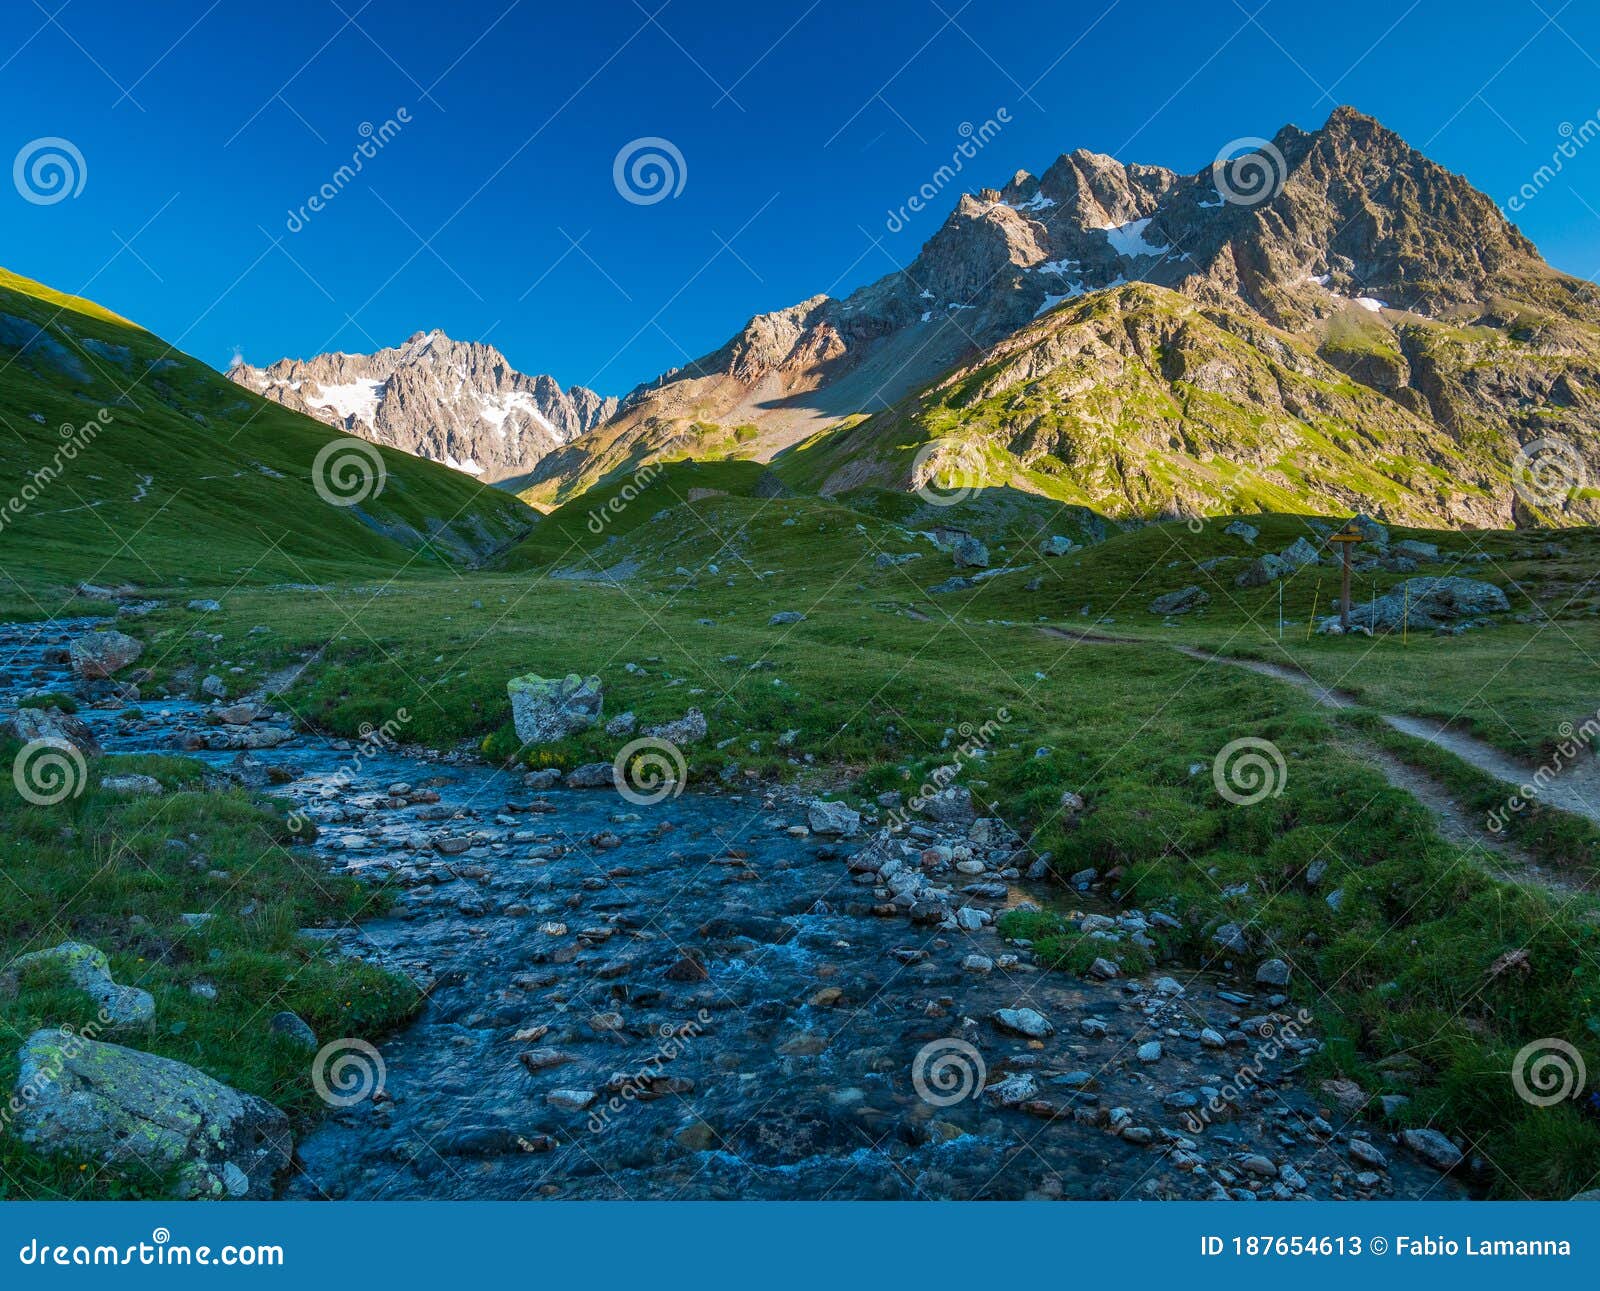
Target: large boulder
{"points": [[968, 552], [103, 654], [547, 709], [1181, 601], [90, 1099], [87, 968], [949, 806], [832, 818], [1421, 603], [1298, 554], [1263, 570], [30, 725], [1247, 532]]}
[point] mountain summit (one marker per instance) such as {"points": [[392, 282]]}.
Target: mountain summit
{"points": [[455, 402], [1336, 282]]}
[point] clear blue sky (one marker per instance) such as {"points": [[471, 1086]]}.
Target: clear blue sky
{"points": [[202, 126]]}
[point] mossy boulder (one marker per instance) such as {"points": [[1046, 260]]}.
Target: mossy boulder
{"points": [[547, 709], [103, 1102]]}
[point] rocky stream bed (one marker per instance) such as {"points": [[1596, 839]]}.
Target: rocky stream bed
{"points": [[703, 997]]}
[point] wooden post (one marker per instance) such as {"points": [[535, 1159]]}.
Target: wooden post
{"points": [[1344, 591], [1346, 538]]}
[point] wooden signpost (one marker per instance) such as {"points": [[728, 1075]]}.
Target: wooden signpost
{"points": [[1346, 538]]}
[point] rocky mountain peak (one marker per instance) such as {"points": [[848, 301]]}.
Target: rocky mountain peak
{"points": [[456, 402]]}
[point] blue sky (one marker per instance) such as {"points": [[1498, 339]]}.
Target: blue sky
{"points": [[493, 214]]}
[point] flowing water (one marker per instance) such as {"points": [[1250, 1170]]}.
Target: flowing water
{"points": [[698, 998]]}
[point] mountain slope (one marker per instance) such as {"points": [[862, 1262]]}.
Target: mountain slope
{"points": [[1345, 240], [1140, 402], [459, 403], [132, 461]]}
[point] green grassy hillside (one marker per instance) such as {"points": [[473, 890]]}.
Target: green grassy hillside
{"points": [[127, 460]]}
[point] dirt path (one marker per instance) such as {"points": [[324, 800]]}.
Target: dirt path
{"points": [[1576, 790]]}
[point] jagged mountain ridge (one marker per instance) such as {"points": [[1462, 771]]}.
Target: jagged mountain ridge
{"points": [[1397, 272], [454, 402]]}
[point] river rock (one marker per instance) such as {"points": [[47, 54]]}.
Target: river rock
{"points": [[592, 775], [1028, 1022], [103, 654], [832, 818], [950, 806], [30, 725], [547, 709], [90, 1099], [1433, 1147], [1272, 972], [87, 968]]}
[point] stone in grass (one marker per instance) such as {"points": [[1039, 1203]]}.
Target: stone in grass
{"points": [[1028, 1022], [547, 709], [832, 818], [1239, 529], [91, 1100], [88, 969], [785, 616], [132, 785], [688, 729], [1433, 1147], [103, 654], [1181, 601], [1272, 972], [293, 1028]]}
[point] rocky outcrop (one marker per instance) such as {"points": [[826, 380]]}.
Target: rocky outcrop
{"points": [[1422, 603], [459, 403], [107, 1103]]}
